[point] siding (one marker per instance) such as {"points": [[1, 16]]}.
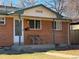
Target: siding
{"points": [[44, 12]]}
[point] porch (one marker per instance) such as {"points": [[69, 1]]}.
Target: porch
{"points": [[42, 37]]}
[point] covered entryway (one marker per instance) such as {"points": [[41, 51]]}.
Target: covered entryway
{"points": [[18, 32]]}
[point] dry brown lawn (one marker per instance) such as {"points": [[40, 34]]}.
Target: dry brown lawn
{"points": [[39, 55], [71, 52], [29, 56]]}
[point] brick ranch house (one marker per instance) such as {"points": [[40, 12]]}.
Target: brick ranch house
{"points": [[37, 25]]}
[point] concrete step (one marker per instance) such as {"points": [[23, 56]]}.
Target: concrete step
{"points": [[31, 48], [75, 46]]}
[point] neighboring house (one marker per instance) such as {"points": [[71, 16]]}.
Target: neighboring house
{"points": [[6, 9], [37, 25]]}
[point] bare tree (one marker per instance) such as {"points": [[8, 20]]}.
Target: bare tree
{"points": [[1, 2], [6, 2], [27, 3], [69, 8], [72, 8], [57, 5]]}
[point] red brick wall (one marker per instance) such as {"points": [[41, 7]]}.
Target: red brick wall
{"points": [[46, 33], [6, 33], [61, 36]]}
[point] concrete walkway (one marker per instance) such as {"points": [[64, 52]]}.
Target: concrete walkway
{"points": [[62, 55]]}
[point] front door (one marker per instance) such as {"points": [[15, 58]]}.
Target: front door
{"points": [[18, 32]]}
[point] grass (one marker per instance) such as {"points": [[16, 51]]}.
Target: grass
{"points": [[71, 52], [39, 55], [29, 56]]}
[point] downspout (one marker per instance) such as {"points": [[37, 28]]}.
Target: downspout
{"points": [[69, 34], [53, 34], [20, 29], [19, 15]]}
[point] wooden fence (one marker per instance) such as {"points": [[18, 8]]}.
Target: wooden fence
{"points": [[74, 37]]}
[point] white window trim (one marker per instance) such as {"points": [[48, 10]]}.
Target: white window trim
{"points": [[35, 25], [4, 20], [61, 26]]}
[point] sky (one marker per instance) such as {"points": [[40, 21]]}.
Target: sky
{"points": [[15, 2]]}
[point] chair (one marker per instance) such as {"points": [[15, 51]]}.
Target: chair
{"points": [[35, 39]]}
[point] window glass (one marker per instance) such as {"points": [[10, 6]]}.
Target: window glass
{"points": [[2, 20], [18, 28], [57, 25], [37, 24], [34, 24], [31, 23]]}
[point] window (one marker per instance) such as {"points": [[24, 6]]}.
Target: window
{"points": [[57, 25], [18, 28], [34, 24], [2, 20], [31, 24]]}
